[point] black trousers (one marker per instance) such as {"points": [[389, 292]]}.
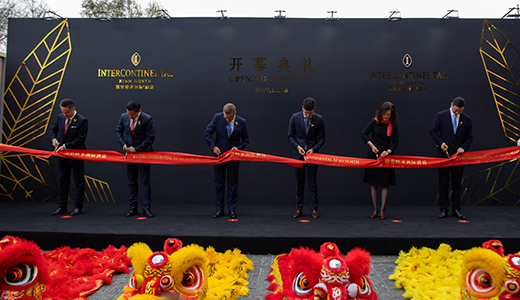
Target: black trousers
{"points": [[311, 170], [135, 173], [446, 175], [221, 171], [77, 168]]}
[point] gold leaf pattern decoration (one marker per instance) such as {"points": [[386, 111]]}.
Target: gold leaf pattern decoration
{"points": [[500, 58], [28, 103], [30, 96], [97, 190]]}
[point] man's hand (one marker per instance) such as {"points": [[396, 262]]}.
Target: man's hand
{"points": [[216, 150], [444, 147], [460, 151], [301, 150], [310, 151], [130, 149], [60, 148], [55, 143]]}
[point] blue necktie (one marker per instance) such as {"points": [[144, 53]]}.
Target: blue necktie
{"points": [[454, 123], [228, 127]]}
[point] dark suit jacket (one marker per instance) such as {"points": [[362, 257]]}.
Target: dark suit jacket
{"points": [[144, 132], [296, 135], [76, 133], [441, 131], [238, 138]]}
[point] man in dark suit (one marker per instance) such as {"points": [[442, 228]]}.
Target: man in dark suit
{"points": [[230, 133], [452, 131], [307, 135], [69, 131], [136, 133]]}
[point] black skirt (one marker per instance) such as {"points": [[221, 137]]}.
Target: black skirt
{"points": [[380, 176]]}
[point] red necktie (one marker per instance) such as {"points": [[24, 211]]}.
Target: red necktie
{"points": [[132, 125], [66, 126]]}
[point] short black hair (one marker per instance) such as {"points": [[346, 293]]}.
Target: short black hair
{"points": [[458, 101], [133, 106], [309, 103], [67, 102]]}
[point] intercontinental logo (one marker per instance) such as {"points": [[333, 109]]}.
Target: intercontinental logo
{"points": [[136, 59], [407, 80], [407, 60], [133, 78]]}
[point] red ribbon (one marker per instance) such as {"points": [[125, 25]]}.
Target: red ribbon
{"points": [[163, 158], [174, 158], [416, 162]]}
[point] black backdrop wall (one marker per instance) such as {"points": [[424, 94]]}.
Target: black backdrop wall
{"points": [[267, 67]]}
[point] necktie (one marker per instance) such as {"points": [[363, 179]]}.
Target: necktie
{"points": [[66, 126], [132, 125], [228, 127], [307, 123], [455, 124]]}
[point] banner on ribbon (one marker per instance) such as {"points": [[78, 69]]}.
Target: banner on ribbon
{"points": [[416, 162], [175, 158], [164, 158]]}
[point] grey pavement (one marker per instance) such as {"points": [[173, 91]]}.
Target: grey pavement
{"points": [[382, 267]]}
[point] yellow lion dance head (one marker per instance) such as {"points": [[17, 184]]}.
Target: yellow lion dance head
{"points": [[174, 273], [489, 274]]}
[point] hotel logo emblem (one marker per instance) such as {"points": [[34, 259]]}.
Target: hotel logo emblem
{"points": [[407, 60], [136, 59]]}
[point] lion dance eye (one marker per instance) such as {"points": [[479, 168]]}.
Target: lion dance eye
{"points": [[512, 286], [301, 285], [166, 282], [21, 275], [514, 261], [365, 289], [480, 281], [193, 279]]}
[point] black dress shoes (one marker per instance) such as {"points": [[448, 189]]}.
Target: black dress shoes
{"points": [[132, 211], [76, 212], [147, 213], [218, 214], [456, 213], [59, 211], [297, 214], [232, 214], [443, 214]]}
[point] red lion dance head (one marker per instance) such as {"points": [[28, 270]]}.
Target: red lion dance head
{"points": [[23, 270], [306, 274]]}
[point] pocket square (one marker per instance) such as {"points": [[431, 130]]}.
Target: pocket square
{"points": [[72, 126]]}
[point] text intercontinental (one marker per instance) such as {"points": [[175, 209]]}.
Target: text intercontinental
{"points": [[134, 73]]}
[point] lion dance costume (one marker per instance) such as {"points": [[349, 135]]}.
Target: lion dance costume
{"points": [[186, 273], [23, 270], [489, 274], [327, 275]]}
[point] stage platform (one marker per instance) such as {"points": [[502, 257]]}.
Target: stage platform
{"points": [[261, 229]]}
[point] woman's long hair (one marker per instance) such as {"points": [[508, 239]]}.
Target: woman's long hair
{"points": [[387, 105]]}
